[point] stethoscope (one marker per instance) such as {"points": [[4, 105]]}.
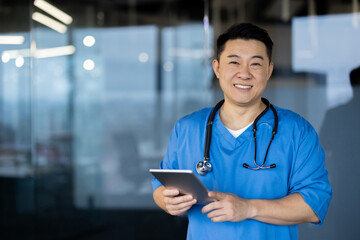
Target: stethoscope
{"points": [[204, 166]]}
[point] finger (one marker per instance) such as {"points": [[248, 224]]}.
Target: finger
{"points": [[170, 192], [178, 211], [211, 206], [220, 218], [184, 206], [218, 215], [217, 195], [173, 200]]}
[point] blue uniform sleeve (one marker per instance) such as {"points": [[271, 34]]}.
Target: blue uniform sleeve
{"points": [[309, 176], [170, 159]]}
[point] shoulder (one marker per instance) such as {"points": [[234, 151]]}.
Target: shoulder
{"points": [[194, 120], [192, 125], [288, 115], [293, 123]]}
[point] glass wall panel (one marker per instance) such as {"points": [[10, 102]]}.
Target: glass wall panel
{"points": [[17, 200], [328, 45], [139, 95], [87, 105]]}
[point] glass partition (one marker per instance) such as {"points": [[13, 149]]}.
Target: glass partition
{"points": [[89, 97], [139, 95]]}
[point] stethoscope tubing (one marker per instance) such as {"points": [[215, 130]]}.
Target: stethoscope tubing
{"points": [[204, 166]]}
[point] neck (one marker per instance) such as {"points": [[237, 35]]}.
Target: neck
{"points": [[236, 117]]}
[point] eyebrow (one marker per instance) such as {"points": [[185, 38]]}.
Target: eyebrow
{"points": [[237, 56]]}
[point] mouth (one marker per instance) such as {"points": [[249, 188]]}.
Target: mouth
{"points": [[242, 86]]}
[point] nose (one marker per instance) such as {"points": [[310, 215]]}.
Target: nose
{"points": [[243, 72]]}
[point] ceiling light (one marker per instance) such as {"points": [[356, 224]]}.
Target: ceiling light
{"points": [[89, 41], [49, 22], [19, 62], [6, 56], [53, 11], [16, 40], [88, 64], [54, 52], [143, 57]]}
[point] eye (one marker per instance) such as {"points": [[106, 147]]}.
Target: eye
{"points": [[256, 64], [234, 62]]}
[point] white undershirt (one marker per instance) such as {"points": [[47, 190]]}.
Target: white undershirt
{"points": [[237, 133]]}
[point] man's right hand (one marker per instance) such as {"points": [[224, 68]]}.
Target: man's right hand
{"points": [[173, 203]]}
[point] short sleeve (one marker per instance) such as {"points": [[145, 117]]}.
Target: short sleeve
{"points": [[309, 176], [170, 160]]}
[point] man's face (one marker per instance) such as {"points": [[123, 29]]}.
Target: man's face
{"points": [[243, 71]]}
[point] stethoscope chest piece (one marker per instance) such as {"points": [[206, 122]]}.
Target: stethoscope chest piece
{"points": [[203, 167]]}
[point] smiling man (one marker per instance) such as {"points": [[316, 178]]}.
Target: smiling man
{"points": [[267, 171]]}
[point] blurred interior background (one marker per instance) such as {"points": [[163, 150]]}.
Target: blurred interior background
{"points": [[89, 94]]}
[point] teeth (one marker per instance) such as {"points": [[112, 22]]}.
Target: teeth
{"points": [[242, 86]]}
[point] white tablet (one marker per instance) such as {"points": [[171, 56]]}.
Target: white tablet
{"points": [[184, 180]]}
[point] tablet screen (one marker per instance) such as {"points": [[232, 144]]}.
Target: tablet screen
{"points": [[184, 180]]}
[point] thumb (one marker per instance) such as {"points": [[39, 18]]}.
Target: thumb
{"points": [[217, 195]]}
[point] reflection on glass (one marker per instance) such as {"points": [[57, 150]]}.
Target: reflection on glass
{"points": [[10, 40], [328, 45], [49, 22], [53, 11], [89, 41], [14, 106], [94, 133], [88, 64], [19, 62], [122, 120]]}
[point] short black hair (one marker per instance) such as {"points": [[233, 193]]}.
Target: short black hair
{"points": [[246, 31]]}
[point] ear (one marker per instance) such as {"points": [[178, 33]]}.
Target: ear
{"points": [[215, 65], [270, 71]]}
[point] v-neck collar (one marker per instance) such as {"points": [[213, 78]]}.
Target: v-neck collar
{"points": [[268, 118]]}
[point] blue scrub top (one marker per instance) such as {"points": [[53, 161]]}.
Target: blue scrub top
{"points": [[296, 151]]}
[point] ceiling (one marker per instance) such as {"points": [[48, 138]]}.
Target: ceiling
{"points": [[15, 14]]}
